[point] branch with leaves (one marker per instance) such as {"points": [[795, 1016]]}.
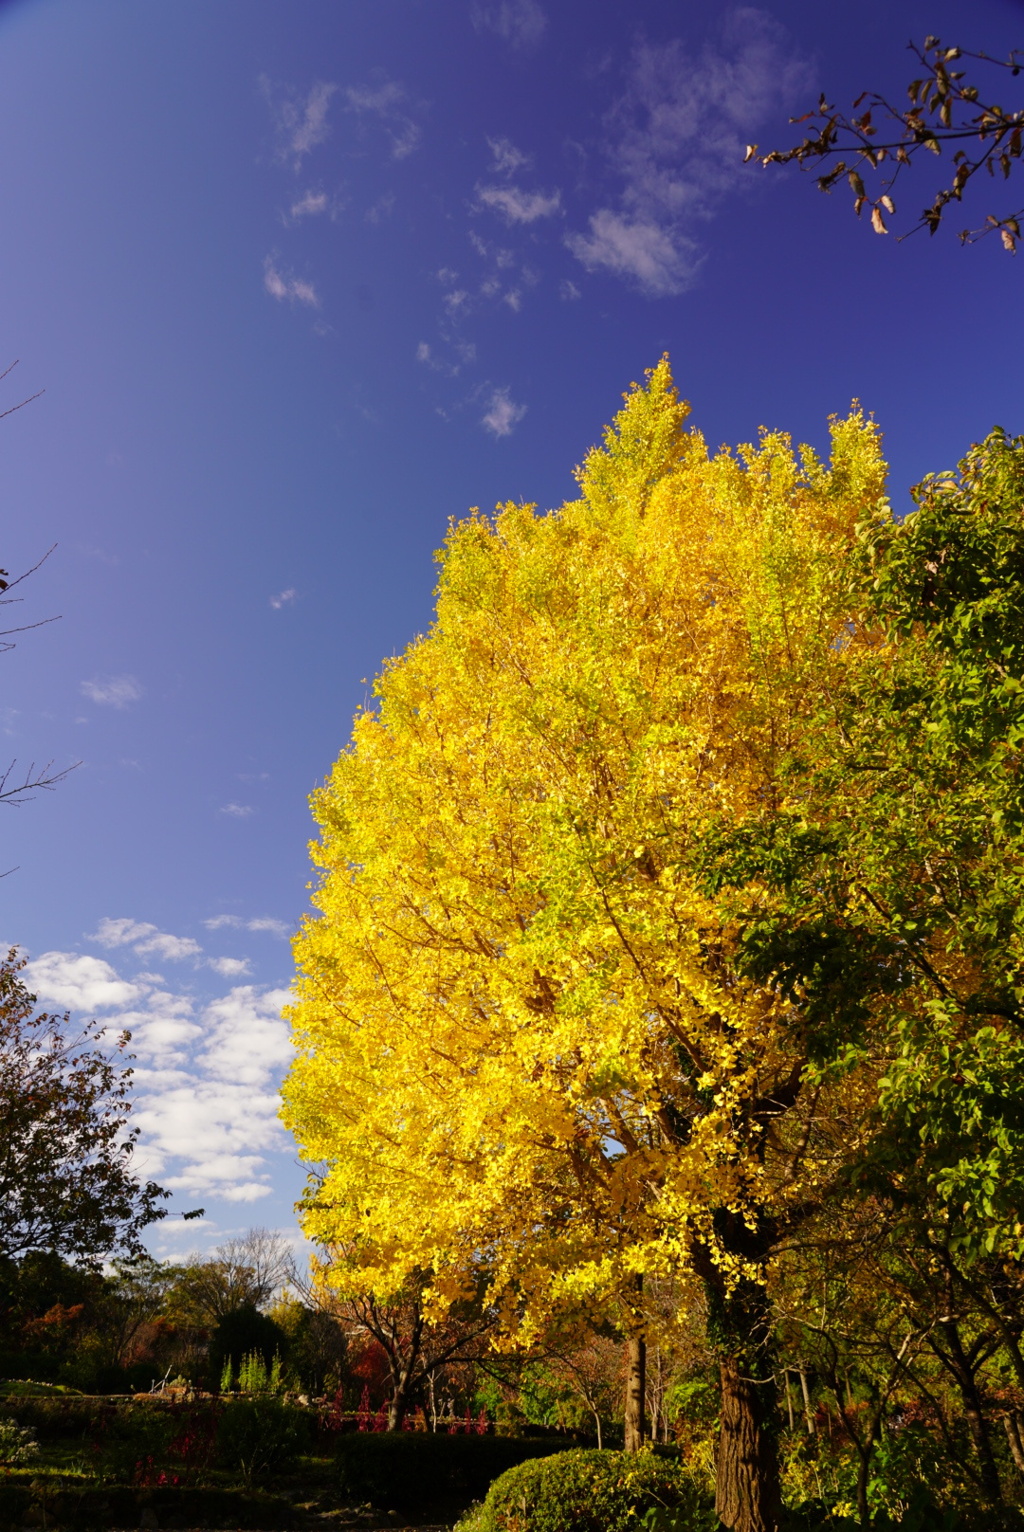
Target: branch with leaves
{"points": [[944, 110]]}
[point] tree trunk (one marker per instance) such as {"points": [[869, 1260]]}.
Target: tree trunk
{"points": [[747, 1480], [399, 1401], [958, 1364], [1011, 1425], [747, 1490], [636, 1387]]}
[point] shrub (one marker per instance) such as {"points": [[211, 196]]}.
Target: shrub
{"points": [[18, 1444], [134, 1443], [587, 1490], [413, 1468], [261, 1436]]}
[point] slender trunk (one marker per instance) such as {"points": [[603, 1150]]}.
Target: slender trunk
{"points": [[789, 1401], [1011, 1424], [956, 1361], [597, 1422], [808, 1412], [636, 1370], [399, 1401], [863, 1472]]}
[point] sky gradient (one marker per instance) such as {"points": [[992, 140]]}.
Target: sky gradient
{"points": [[303, 279]]}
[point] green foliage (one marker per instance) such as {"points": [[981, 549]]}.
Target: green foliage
{"points": [[18, 1444], [133, 1442], [411, 1468], [589, 1491], [261, 1436], [244, 1333]]}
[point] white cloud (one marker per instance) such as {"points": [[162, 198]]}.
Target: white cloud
{"points": [[145, 939], [269, 924], [300, 121], [309, 205], [284, 598], [520, 206], [112, 691], [660, 262], [506, 159], [568, 291], [248, 1042], [519, 22], [676, 139], [77, 982], [206, 1075], [502, 415], [258, 923], [237, 810], [388, 102], [229, 968], [281, 286]]}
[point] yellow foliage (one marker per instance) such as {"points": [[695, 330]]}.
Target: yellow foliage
{"points": [[524, 1041]]}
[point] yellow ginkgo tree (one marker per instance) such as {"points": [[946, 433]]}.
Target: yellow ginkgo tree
{"points": [[529, 1050]]}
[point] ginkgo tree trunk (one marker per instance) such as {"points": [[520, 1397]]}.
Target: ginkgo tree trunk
{"points": [[527, 1038]]}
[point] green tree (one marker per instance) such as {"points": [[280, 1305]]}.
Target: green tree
{"points": [[66, 1181]]}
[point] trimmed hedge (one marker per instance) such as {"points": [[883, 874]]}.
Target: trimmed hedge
{"points": [[415, 1468], [589, 1490]]}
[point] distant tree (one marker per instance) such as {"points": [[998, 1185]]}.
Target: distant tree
{"points": [[66, 1181], [944, 110], [418, 1348], [242, 1273]]}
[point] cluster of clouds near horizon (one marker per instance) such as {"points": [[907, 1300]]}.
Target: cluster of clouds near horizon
{"points": [[207, 1066], [629, 201]]}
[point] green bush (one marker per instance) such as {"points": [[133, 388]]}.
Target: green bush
{"points": [[413, 1468], [587, 1490], [135, 1443], [261, 1436]]}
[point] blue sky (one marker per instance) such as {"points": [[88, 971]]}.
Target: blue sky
{"points": [[301, 280]]}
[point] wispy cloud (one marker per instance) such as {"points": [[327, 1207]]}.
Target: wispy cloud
{"points": [[300, 120], [520, 206], [145, 939], [519, 22], [502, 414], [660, 261], [265, 923], [309, 205], [283, 598], [676, 139], [112, 691], [237, 810], [506, 159], [388, 102], [282, 286]]}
